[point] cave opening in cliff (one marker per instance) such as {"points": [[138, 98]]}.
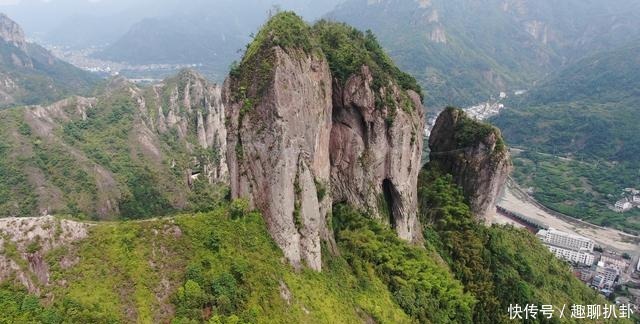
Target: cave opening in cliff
{"points": [[391, 200]]}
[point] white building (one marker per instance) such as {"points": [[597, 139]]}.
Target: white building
{"points": [[566, 240], [623, 205], [636, 199], [608, 273], [581, 256], [614, 261]]}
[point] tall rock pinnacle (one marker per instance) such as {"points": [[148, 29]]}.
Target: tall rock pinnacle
{"points": [[475, 155]]}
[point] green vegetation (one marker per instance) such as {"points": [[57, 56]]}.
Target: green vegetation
{"points": [[41, 78], [20, 307], [468, 131], [459, 59], [582, 189], [462, 59], [253, 74], [499, 265], [418, 282], [17, 196], [348, 49], [579, 130], [285, 30], [99, 162], [223, 267], [218, 266]]}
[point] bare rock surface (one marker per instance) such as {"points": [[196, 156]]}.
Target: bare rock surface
{"points": [[25, 241], [278, 152], [475, 155], [376, 151]]}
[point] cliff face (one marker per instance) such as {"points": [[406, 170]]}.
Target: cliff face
{"points": [[278, 149], [475, 155], [376, 150], [301, 139]]}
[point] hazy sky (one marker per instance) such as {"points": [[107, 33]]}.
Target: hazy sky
{"points": [[62, 22]]}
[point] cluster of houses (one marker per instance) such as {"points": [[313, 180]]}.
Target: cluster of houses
{"points": [[601, 270], [631, 199]]}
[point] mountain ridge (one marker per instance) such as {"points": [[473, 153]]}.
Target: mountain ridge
{"points": [[321, 134], [31, 75]]}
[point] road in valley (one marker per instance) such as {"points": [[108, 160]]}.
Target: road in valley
{"points": [[516, 200]]}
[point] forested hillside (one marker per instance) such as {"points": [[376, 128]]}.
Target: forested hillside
{"points": [[588, 114], [129, 152], [464, 51]]}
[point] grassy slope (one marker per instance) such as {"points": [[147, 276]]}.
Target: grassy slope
{"points": [[135, 270], [222, 266], [499, 265]]}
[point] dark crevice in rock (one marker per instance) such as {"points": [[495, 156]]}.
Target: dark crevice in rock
{"points": [[393, 201]]}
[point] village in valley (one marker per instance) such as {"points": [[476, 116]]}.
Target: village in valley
{"points": [[606, 271], [604, 259]]}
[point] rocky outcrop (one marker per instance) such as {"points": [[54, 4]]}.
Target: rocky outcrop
{"points": [[193, 107], [11, 32], [300, 139], [278, 150], [475, 155], [376, 147], [24, 242]]}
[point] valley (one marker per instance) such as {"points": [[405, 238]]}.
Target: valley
{"points": [[229, 162], [516, 199], [142, 73]]}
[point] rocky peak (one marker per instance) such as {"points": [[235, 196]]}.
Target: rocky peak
{"points": [[279, 112], [11, 32], [307, 129], [475, 155], [376, 149], [192, 107]]}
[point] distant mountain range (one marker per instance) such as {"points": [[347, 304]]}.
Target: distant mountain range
{"points": [[211, 33], [465, 51], [29, 74]]}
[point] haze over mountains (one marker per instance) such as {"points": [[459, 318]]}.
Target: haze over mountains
{"points": [[462, 51], [211, 34], [31, 75]]}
